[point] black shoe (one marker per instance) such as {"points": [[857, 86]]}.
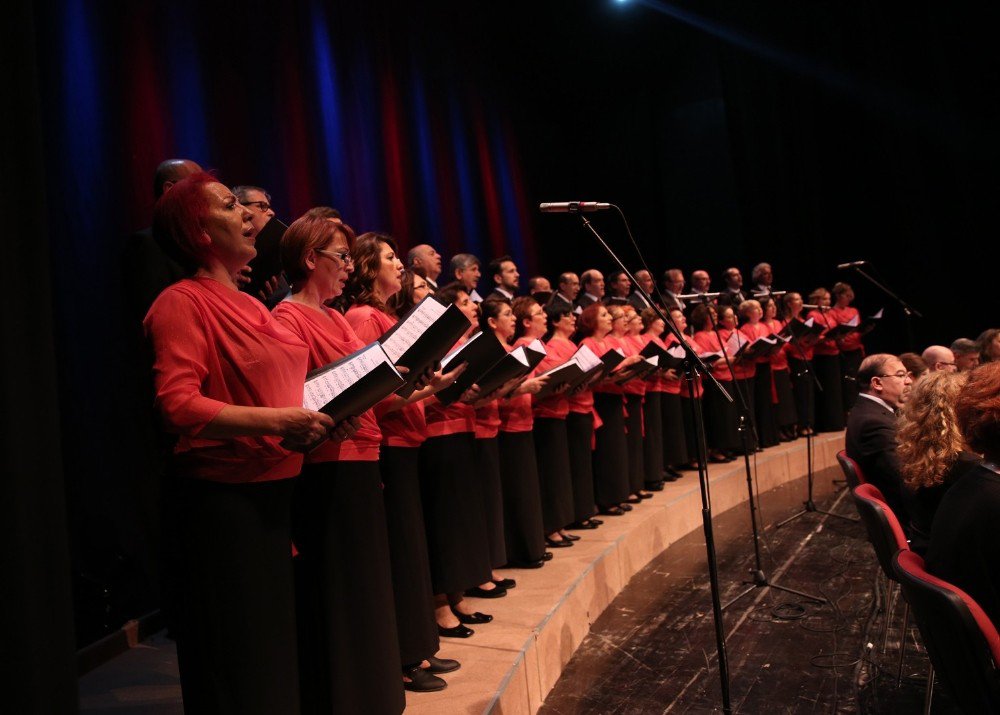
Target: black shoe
{"points": [[580, 525], [458, 631], [558, 544], [422, 681], [645, 495], [478, 592], [525, 564], [611, 511], [442, 665], [657, 487], [673, 473], [472, 618], [595, 521], [547, 556], [571, 537], [632, 500], [504, 583], [626, 506]]}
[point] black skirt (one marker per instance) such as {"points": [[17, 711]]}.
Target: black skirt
{"points": [[611, 486], [804, 389], [411, 571], [522, 500], [675, 447], [633, 437], [767, 427], [580, 436], [457, 544], [552, 451], [829, 402], [850, 361], [235, 628], [784, 411], [488, 468], [745, 387], [348, 642], [652, 443], [721, 421]]}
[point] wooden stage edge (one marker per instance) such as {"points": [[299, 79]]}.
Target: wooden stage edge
{"points": [[510, 665]]}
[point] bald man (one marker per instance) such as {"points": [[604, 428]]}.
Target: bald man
{"points": [[425, 261], [939, 359]]}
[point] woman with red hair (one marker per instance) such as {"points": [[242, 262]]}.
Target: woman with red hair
{"points": [[229, 382]]}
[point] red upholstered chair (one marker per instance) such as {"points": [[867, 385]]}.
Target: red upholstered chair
{"points": [[852, 472], [962, 643], [887, 538]]}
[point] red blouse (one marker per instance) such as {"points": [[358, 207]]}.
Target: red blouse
{"points": [[330, 337], [405, 427], [708, 342], [488, 420], [214, 347], [515, 412], [633, 345], [828, 320], [610, 342], [558, 351], [745, 369], [844, 315], [450, 419], [779, 360], [798, 352]]}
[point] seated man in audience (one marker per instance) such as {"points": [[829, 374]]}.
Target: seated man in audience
{"points": [[645, 281], [506, 279], [871, 427], [569, 288], [966, 354], [964, 548], [425, 261], [619, 286], [465, 269], [939, 359], [592, 282]]}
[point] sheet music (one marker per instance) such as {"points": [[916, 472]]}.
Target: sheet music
{"points": [[853, 322], [538, 347], [676, 351], [878, 315], [654, 360], [734, 342], [451, 356], [475, 297], [519, 355], [321, 389], [407, 332], [809, 323], [577, 310], [564, 366], [586, 359]]}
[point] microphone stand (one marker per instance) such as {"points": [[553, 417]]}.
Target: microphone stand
{"points": [[908, 311], [693, 366], [746, 428], [809, 506]]}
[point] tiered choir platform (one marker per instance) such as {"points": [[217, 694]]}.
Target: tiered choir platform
{"points": [[511, 664]]}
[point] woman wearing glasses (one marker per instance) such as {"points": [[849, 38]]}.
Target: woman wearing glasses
{"points": [[347, 633], [373, 286], [228, 381]]}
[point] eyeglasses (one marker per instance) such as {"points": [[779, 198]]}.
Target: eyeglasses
{"points": [[900, 375], [262, 205], [342, 256]]}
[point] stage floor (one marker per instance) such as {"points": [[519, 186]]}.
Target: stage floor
{"points": [[622, 622]]}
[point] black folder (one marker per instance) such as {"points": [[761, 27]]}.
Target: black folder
{"points": [[267, 263], [567, 373], [511, 366], [367, 387], [432, 345], [482, 351]]}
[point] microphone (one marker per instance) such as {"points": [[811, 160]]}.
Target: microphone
{"points": [[852, 264], [571, 207], [821, 308], [699, 296]]}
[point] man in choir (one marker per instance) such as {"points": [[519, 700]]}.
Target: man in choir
{"points": [[426, 263], [465, 269], [871, 426], [258, 202], [592, 282], [939, 359], [966, 354], [619, 287], [539, 284], [734, 294], [673, 286], [645, 281], [569, 288], [506, 279], [701, 282], [762, 277]]}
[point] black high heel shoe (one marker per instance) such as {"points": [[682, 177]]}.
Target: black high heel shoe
{"points": [[558, 543], [471, 618], [478, 592], [458, 631]]}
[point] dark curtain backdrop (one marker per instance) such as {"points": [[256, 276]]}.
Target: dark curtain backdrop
{"points": [[804, 134]]}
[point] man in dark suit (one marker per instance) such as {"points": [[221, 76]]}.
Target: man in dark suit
{"points": [[592, 282], [673, 286], [619, 287], [645, 281], [506, 279], [871, 427], [733, 294], [569, 288]]}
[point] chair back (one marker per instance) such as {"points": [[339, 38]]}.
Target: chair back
{"points": [[884, 530], [962, 642], [852, 472]]}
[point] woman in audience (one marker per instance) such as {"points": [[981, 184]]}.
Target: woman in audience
{"points": [[964, 546], [852, 352], [783, 400], [989, 345], [721, 419], [932, 453], [347, 633], [826, 363], [914, 364], [229, 381]]}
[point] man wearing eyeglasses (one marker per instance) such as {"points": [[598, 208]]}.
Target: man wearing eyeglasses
{"points": [[258, 202], [939, 359], [871, 427]]}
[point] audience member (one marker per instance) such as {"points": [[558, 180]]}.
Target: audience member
{"points": [[938, 358], [966, 354]]}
